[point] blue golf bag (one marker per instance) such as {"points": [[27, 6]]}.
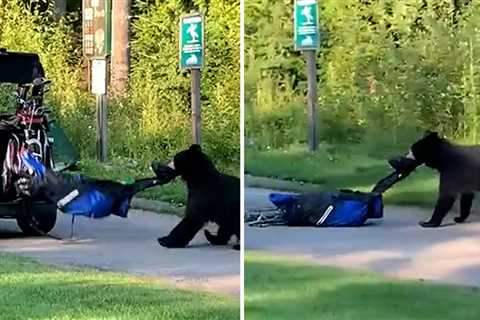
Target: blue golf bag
{"points": [[343, 208]]}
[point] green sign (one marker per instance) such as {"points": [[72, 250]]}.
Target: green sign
{"points": [[191, 41], [96, 27], [306, 25]]}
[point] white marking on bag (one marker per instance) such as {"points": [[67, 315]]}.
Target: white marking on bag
{"points": [[325, 215], [68, 198]]}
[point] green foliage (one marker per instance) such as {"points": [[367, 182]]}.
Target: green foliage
{"points": [[158, 109], [7, 98], [274, 112], [384, 66]]}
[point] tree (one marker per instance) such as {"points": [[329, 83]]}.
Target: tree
{"points": [[120, 63], [60, 7]]}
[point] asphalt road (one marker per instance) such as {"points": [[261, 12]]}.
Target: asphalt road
{"points": [[396, 246], [130, 245]]}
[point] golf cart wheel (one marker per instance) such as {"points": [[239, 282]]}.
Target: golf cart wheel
{"points": [[36, 218]]}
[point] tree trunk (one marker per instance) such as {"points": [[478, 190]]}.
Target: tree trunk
{"points": [[120, 63], [60, 7]]}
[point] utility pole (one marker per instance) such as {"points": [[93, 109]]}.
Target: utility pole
{"points": [[120, 58]]}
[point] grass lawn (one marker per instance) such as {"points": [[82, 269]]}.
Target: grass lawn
{"points": [[29, 290], [279, 289], [352, 167]]}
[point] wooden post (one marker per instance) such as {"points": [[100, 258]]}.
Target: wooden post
{"points": [[120, 62], [310, 57], [196, 108]]}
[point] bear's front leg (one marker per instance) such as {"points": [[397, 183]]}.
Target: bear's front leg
{"points": [[444, 204], [183, 233], [465, 207]]}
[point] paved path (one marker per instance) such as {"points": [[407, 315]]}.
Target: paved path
{"points": [[396, 246], [130, 245]]}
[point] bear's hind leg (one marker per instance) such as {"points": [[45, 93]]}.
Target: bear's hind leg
{"points": [[465, 207], [222, 237], [444, 204], [237, 234]]}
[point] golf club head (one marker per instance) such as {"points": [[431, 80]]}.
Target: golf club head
{"points": [[164, 173], [403, 164]]}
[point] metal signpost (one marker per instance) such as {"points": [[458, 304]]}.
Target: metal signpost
{"points": [[96, 46], [99, 88], [192, 48], [307, 40]]}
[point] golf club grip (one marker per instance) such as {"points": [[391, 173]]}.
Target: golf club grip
{"points": [[142, 184]]}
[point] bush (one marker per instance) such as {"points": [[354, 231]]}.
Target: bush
{"points": [[159, 106], [384, 66]]}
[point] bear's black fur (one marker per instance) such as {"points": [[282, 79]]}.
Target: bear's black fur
{"points": [[212, 197], [459, 168]]}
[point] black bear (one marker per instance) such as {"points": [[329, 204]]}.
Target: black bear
{"points": [[459, 168], [212, 197]]}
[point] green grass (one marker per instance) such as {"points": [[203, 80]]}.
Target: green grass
{"points": [[29, 290], [352, 167], [282, 290]]}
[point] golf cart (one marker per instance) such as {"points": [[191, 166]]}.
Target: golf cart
{"points": [[27, 126]]}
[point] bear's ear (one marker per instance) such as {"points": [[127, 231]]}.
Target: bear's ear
{"points": [[196, 148], [431, 134]]}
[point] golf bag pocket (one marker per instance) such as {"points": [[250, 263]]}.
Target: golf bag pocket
{"points": [[344, 208]]}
